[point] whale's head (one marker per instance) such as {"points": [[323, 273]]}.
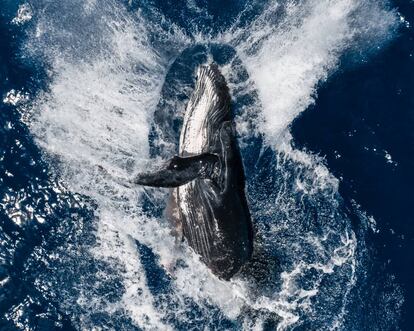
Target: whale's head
{"points": [[208, 108]]}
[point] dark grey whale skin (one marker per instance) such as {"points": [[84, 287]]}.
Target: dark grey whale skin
{"points": [[208, 204]]}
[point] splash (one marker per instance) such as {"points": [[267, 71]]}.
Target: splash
{"points": [[292, 47], [14, 97], [107, 65], [24, 14]]}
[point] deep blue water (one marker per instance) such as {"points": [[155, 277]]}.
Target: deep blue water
{"points": [[53, 204], [374, 100]]}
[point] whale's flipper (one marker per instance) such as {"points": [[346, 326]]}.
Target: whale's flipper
{"points": [[179, 171]]}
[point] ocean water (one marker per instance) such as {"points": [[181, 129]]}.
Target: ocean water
{"points": [[323, 102]]}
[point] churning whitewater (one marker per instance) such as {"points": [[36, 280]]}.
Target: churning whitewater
{"points": [[119, 76]]}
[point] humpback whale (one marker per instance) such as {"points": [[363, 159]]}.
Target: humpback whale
{"points": [[207, 203]]}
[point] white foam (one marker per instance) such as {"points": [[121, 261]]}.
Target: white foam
{"points": [[117, 243], [97, 112], [24, 14], [287, 57], [14, 97]]}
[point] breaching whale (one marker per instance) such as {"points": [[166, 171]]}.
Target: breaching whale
{"points": [[207, 202]]}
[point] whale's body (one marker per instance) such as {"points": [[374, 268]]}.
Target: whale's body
{"points": [[208, 201]]}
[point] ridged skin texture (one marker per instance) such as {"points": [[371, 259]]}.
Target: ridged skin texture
{"points": [[213, 212]]}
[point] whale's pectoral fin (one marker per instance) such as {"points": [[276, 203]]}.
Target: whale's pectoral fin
{"points": [[179, 171]]}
